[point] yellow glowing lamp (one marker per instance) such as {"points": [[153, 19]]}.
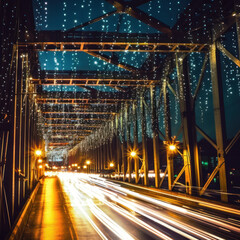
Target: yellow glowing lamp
{"points": [[88, 162], [172, 147], [84, 166], [39, 160], [133, 154], [38, 152], [40, 166], [111, 164]]}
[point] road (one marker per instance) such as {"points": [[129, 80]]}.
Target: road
{"points": [[107, 209]]}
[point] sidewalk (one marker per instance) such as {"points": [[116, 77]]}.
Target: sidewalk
{"points": [[49, 218]]}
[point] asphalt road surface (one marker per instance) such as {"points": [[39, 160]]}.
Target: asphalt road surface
{"points": [[104, 209]]}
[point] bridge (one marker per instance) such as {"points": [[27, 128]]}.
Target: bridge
{"points": [[120, 119]]}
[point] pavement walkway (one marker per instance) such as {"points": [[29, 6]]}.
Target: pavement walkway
{"points": [[49, 218]]}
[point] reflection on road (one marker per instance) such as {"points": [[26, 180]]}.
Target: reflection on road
{"points": [[117, 212]]}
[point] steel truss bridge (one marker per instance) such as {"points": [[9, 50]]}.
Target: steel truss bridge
{"points": [[98, 125]]}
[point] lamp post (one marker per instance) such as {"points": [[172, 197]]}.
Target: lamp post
{"points": [[134, 155], [39, 161], [172, 148], [88, 162]]}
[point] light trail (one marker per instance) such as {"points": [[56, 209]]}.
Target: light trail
{"points": [[126, 203], [216, 221], [201, 203]]}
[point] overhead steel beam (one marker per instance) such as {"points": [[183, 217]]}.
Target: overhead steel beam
{"points": [[86, 75], [51, 144], [88, 96], [92, 21], [81, 113], [144, 47], [79, 101], [68, 127], [81, 131], [65, 138], [111, 42], [93, 82], [76, 125], [75, 119], [87, 107]]}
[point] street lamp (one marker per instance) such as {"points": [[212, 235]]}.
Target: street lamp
{"points": [[38, 152], [111, 164], [172, 147], [133, 154], [88, 162]]}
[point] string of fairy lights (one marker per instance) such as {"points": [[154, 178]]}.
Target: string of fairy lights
{"points": [[72, 13]]}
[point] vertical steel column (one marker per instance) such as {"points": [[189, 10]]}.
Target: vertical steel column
{"points": [[135, 141], [97, 160], [105, 155], [144, 143], [190, 148], [155, 136], [100, 158], [14, 135], [31, 157], [117, 146], [219, 117], [129, 163], [25, 143], [108, 153], [123, 167], [170, 166], [20, 183]]}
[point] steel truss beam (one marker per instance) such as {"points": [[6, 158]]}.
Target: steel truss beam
{"points": [[71, 130], [78, 121], [75, 119], [220, 127], [77, 125], [81, 113], [190, 150], [101, 96], [79, 101], [93, 82], [111, 42]]}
